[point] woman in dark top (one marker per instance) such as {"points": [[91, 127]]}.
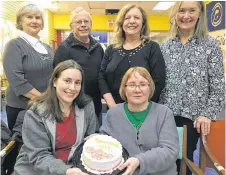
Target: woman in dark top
{"points": [[27, 62], [132, 47]]}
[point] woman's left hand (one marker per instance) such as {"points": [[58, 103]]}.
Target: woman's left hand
{"points": [[88, 137], [131, 164], [202, 123]]}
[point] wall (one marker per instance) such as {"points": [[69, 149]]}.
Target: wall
{"points": [[48, 34], [216, 24], [9, 9], [7, 25], [101, 22], [51, 30]]}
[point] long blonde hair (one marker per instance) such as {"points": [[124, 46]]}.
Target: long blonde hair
{"points": [[120, 34], [201, 25]]}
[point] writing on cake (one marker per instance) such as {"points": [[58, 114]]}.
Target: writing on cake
{"points": [[101, 154]]}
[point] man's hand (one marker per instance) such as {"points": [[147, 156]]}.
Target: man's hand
{"points": [[202, 123], [131, 164]]}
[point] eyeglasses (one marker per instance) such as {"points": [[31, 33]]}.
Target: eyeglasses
{"points": [[80, 22], [134, 86]]}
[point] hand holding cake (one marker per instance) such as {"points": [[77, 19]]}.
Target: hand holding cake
{"points": [[88, 137], [74, 171], [131, 164]]}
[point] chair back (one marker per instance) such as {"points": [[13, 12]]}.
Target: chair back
{"points": [[180, 131], [185, 162]]}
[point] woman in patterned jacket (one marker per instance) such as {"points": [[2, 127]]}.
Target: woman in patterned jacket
{"points": [[194, 88]]}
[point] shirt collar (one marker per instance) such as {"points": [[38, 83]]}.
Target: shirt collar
{"points": [[29, 38], [193, 39]]}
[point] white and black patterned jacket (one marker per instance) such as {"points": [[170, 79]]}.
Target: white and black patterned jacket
{"points": [[194, 77]]}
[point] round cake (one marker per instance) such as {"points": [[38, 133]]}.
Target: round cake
{"points": [[101, 154]]}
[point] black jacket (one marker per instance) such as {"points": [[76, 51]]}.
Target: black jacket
{"points": [[117, 61], [90, 60]]}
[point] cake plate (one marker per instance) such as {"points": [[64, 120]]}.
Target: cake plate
{"points": [[78, 163]]}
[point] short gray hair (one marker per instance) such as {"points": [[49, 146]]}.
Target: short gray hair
{"points": [[75, 12], [27, 8]]}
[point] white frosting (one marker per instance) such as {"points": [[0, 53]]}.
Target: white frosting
{"points": [[102, 153], [101, 172]]}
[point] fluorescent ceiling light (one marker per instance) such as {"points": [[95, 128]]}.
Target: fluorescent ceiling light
{"points": [[47, 4], [163, 5]]}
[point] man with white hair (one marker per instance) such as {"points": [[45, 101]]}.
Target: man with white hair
{"points": [[85, 50]]}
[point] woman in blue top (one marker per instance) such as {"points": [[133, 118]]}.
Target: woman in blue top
{"points": [[194, 72]]}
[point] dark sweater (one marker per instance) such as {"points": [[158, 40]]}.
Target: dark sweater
{"points": [[117, 61], [25, 69], [89, 59]]}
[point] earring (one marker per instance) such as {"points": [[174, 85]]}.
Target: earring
{"points": [[21, 27]]}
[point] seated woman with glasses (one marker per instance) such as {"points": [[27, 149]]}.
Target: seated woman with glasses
{"points": [[147, 130]]}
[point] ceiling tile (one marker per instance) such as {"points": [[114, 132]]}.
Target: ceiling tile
{"points": [[96, 5], [148, 5], [97, 11], [131, 2], [68, 6], [100, 6], [113, 5]]}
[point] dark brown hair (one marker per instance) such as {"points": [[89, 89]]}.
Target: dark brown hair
{"points": [[49, 103]]}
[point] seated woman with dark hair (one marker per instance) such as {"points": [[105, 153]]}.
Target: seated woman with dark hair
{"points": [[56, 123], [147, 130]]}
